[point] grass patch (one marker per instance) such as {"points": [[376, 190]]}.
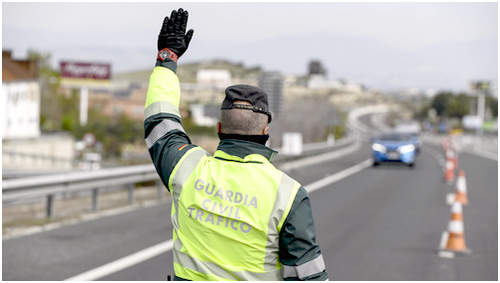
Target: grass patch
{"points": [[27, 223]]}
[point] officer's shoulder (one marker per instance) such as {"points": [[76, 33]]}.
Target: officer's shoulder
{"points": [[285, 175]]}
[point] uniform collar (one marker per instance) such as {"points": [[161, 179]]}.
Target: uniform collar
{"points": [[244, 151]]}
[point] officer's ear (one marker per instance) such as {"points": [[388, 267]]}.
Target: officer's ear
{"points": [[265, 131], [219, 127]]}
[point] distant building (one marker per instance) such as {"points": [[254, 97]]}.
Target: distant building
{"points": [[316, 68], [23, 145], [20, 98], [213, 78], [321, 81], [127, 98], [205, 115], [272, 83]]}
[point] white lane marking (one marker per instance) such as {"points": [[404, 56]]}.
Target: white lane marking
{"points": [[450, 198], [158, 249], [123, 263], [319, 158], [441, 160], [444, 240], [442, 245], [446, 254], [338, 176], [468, 149], [482, 153]]}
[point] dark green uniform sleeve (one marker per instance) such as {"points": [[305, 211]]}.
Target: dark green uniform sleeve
{"points": [[299, 254], [165, 137]]}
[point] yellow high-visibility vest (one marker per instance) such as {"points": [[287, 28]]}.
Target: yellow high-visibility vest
{"points": [[227, 214]]}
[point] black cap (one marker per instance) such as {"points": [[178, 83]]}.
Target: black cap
{"points": [[256, 96]]}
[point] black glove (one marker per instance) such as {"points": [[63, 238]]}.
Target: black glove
{"points": [[173, 33]]}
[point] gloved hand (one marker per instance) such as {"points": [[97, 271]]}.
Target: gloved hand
{"points": [[173, 33]]}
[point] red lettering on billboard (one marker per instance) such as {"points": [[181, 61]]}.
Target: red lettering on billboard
{"points": [[97, 71]]}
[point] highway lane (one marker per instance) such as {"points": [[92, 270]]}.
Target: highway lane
{"points": [[480, 218], [71, 250], [382, 223]]}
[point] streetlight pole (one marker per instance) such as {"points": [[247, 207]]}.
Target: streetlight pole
{"points": [[480, 111], [84, 105]]}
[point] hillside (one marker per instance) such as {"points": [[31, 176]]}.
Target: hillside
{"points": [[187, 72]]}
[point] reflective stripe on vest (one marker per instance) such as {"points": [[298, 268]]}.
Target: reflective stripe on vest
{"points": [[281, 208], [304, 270], [161, 107], [163, 97], [211, 270], [161, 130], [243, 246], [179, 176]]}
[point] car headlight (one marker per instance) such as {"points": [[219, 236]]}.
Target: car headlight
{"points": [[406, 148], [378, 147]]}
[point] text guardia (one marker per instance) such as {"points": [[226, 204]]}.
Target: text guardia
{"points": [[222, 207]]}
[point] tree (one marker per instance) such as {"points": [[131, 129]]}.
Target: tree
{"points": [[113, 132], [493, 104], [50, 104], [60, 112], [43, 63], [441, 103], [449, 105], [459, 106]]}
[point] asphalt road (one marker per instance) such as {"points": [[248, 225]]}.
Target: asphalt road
{"points": [[381, 223]]}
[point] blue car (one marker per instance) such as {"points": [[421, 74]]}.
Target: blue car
{"points": [[394, 147]]}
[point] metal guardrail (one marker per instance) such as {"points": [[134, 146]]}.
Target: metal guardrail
{"points": [[50, 185], [75, 181], [39, 159], [315, 148], [36, 156]]}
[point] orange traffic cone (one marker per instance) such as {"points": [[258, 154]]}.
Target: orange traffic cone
{"points": [[461, 192], [449, 171], [451, 154], [456, 238], [445, 143]]}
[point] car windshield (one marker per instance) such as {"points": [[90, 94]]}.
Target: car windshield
{"points": [[393, 137]]}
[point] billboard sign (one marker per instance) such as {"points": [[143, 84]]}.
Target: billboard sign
{"points": [[480, 85], [80, 74], [96, 71]]}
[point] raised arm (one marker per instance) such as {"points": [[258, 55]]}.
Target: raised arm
{"points": [[165, 137]]}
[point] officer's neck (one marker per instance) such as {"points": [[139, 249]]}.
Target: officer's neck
{"points": [[260, 139]]}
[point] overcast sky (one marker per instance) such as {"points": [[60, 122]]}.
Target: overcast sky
{"points": [[381, 45]]}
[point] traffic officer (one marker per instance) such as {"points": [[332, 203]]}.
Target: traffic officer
{"points": [[235, 216]]}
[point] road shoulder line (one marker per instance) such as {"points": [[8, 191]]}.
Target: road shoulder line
{"points": [[123, 263], [319, 158], [338, 176], [160, 248]]}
